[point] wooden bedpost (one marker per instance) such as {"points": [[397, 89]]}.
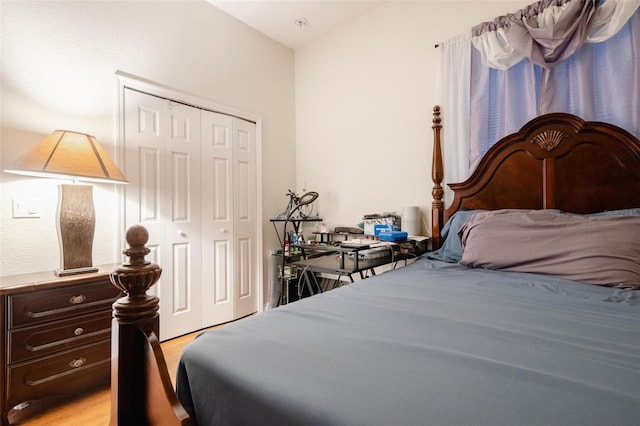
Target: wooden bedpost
{"points": [[141, 389], [437, 175]]}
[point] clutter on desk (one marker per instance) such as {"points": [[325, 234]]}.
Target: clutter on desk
{"points": [[372, 253], [348, 230], [389, 221]]}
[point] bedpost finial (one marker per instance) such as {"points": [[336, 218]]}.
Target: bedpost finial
{"points": [[436, 116], [135, 278], [137, 236]]}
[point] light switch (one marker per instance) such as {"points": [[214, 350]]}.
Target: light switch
{"points": [[26, 207]]}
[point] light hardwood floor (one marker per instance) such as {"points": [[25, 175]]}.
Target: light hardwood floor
{"points": [[93, 409]]}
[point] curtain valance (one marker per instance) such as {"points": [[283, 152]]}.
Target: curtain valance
{"points": [[549, 31]]}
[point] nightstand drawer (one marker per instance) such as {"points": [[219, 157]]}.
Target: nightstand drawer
{"points": [[49, 305], [28, 343], [61, 374]]}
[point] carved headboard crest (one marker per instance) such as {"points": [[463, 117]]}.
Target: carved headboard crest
{"points": [[549, 139]]}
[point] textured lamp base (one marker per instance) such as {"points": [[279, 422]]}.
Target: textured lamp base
{"points": [[76, 227]]}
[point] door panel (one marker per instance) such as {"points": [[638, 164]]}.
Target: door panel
{"points": [[221, 185], [182, 310], [162, 150], [244, 278], [181, 299], [180, 187], [245, 223], [217, 226], [149, 184]]}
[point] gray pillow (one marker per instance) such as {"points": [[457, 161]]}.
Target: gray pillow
{"points": [[451, 250], [602, 250]]}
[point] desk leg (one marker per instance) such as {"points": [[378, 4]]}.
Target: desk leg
{"points": [[285, 282], [309, 284]]}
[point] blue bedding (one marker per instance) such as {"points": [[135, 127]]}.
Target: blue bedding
{"points": [[432, 343]]}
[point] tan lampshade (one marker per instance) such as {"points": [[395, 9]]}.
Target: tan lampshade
{"points": [[66, 154], [78, 156]]}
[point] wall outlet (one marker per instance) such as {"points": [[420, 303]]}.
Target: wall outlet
{"points": [[26, 207]]}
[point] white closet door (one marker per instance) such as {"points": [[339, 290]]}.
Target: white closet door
{"points": [[217, 218], [162, 150], [143, 159], [245, 221]]}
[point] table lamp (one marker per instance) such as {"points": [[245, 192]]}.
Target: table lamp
{"points": [[72, 155]]}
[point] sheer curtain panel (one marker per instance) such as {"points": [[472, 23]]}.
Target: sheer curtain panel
{"points": [[456, 67]]}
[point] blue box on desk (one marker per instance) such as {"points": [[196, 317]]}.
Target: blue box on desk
{"points": [[393, 236], [377, 229]]}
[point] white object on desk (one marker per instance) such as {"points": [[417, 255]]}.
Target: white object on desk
{"points": [[356, 243], [410, 222]]}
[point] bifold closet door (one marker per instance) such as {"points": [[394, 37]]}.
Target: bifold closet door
{"points": [[229, 236], [193, 185], [245, 218], [162, 163], [217, 218]]}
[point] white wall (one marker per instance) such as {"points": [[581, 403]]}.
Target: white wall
{"points": [[358, 130], [58, 71], [364, 100]]}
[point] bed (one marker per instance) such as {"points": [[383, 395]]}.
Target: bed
{"points": [[464, 335]]}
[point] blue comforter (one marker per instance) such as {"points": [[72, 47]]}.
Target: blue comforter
{"points": [[428, 344]]}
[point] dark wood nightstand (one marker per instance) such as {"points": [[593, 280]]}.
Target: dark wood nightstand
{"points": [[56, 335]]}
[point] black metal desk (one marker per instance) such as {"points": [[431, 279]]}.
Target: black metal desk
{"points": [[338, 261], [341, 260]]}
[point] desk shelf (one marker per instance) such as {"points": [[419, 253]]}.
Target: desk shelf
{"points": [[343, 261], [329, 237], [287, 259], [296, 226]]}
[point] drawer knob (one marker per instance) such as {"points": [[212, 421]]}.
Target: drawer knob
{"points": [[78, 331], [78, 362], [76, 300]]}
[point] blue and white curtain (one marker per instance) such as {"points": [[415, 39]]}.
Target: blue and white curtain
{"points": [[574, 56]]}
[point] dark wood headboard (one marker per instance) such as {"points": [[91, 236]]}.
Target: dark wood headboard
{"points": [[555, 161]]}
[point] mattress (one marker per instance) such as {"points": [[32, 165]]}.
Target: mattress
{"points": [[432, 343]]}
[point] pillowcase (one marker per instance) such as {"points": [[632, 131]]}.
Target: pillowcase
{"points": [[451, 250], [603, 250]]}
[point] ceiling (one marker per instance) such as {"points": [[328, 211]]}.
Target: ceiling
{"points": [[280, 19]]}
